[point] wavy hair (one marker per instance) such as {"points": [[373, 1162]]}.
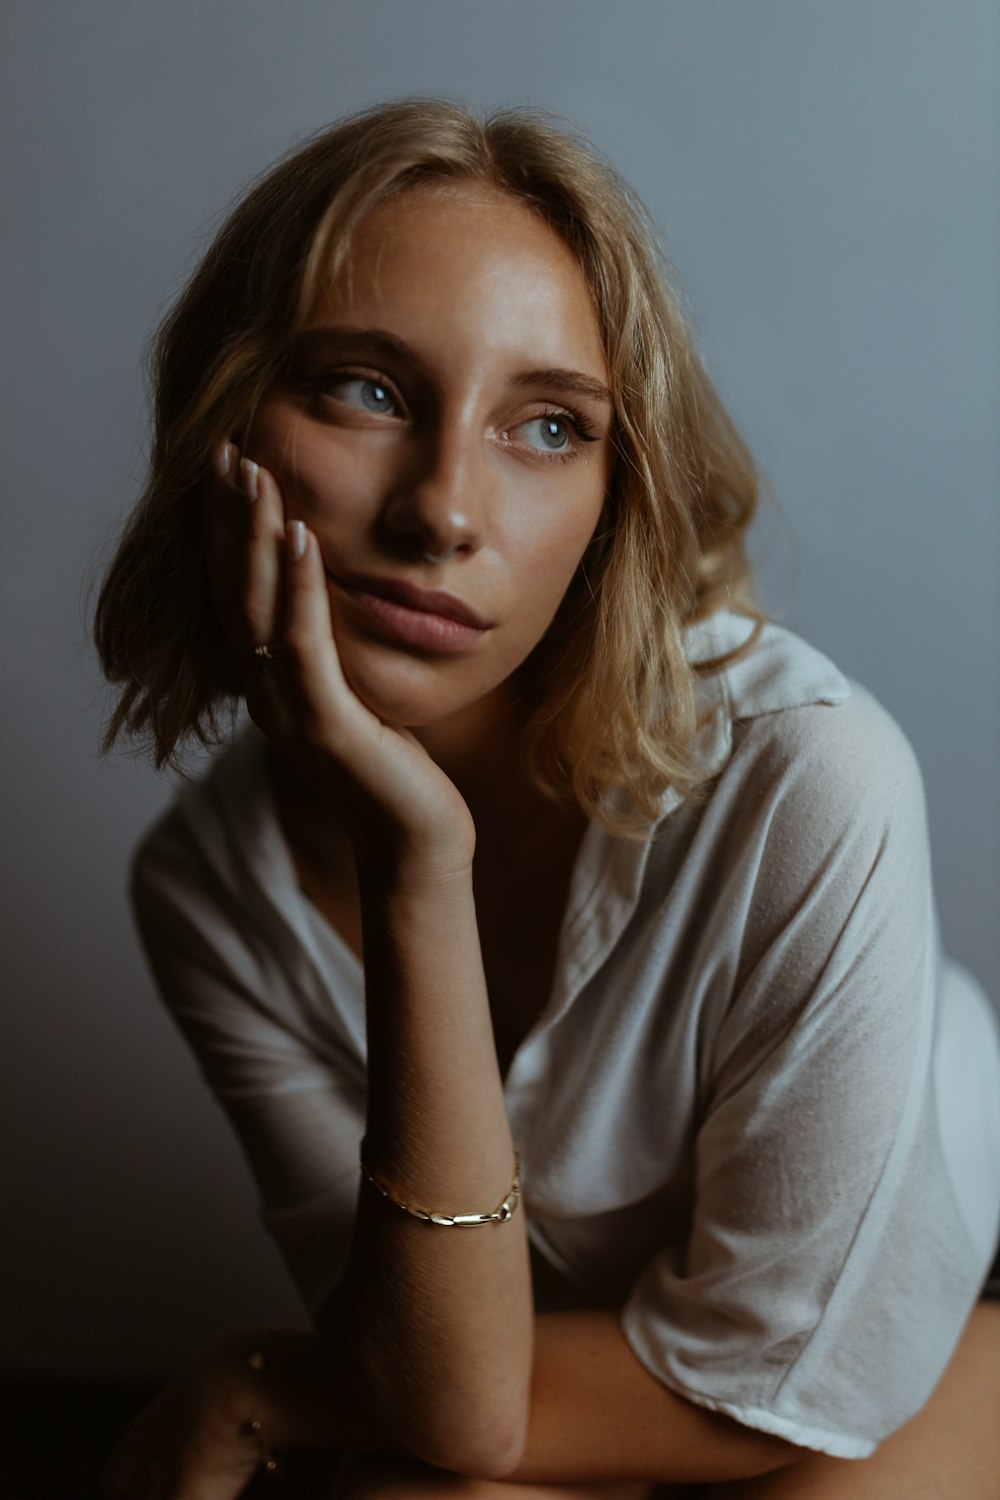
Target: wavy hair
{"points": [[617, 694]]}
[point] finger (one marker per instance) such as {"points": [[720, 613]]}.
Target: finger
{"points": [[224, 505], [244, 518], [313, 661], [225, 490], [264, 529], [224, 461], [244, 525], [230, 496]]}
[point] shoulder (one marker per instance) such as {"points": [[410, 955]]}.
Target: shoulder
{"points": [[215, 829], [826, 803], [850, 755], [790, 730], [814, 816], [212, 885]]}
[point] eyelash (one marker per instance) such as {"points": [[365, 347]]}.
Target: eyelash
{"points": [[582, 428], [317, 386]]}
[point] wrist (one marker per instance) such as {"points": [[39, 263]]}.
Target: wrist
{"points": [[416, 879], [437, 849]]}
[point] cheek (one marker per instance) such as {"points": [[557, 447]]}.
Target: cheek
{"points": [[544, 578], [321, 474], [550, 553], [321, 499], [328, 486]]}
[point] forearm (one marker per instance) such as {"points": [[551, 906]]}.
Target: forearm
{"points": [[596, 1413], [436, 1326], [439, 1318]]}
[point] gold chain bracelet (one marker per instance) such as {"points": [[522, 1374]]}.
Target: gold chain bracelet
{"points": [[502, 1214]]}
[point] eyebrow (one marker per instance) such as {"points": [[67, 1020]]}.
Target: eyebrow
{"points": [[375, 339], [390, 345], [567, 380]]}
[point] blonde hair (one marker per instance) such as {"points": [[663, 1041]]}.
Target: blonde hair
{"points": [[617, 707]]}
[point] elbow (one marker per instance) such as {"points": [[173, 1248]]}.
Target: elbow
{"points": [[499, 1452], [487, 1451], [465, 1413], [482, 1438], [496, 1461]]}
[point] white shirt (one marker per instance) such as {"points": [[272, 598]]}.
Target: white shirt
{"points": [[760, 1113]]}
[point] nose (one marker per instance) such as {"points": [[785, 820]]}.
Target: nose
{"points": [[437, 505]]}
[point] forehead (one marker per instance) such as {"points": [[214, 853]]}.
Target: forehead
{"points": [[440, 259]]}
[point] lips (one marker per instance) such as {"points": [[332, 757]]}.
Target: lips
{"points": [[413, 596], [405, 614]]}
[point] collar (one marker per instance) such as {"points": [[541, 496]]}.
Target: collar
{"points": [[777, 671]]}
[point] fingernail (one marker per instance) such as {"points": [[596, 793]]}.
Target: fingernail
{"points": [[248, 473], [295, 533], [222, 460]]}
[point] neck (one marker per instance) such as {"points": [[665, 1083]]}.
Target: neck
{"points": [[480, 750], [480, 746]]}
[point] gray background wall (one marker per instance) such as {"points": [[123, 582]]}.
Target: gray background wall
{"points": [[826, 173]]}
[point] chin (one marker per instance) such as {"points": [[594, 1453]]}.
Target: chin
{"points": [[409, 693]]}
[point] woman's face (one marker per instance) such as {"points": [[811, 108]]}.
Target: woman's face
{"points": [[448, 401]]}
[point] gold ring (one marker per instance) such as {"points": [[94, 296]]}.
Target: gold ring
{"points": [[269, 660]]}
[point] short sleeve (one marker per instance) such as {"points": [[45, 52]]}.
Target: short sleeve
{"points": [[828, 1272], [294, 1098]]}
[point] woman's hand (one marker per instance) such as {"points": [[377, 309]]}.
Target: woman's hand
{"points": [[195, 1440], [269, 588], [443, 1375]]}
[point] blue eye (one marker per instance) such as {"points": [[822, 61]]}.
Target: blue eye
{"points": [[362, 392], [552, 433], [374, 396]]}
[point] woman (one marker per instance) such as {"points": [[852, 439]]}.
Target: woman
{"points": [[547, 843]]}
